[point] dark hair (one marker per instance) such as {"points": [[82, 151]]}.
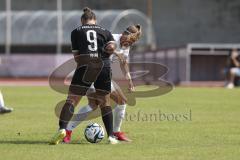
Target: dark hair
{"points": [[88, 14]]}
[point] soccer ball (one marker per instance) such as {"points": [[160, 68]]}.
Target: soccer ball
{"points": [[94, 133]]}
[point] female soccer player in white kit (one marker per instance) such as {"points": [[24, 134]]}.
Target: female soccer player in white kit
{"points": [[124, 41]]}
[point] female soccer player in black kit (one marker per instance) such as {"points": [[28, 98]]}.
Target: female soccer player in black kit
{"points": [[93, 65]]}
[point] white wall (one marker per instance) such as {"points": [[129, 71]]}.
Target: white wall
{"points": [[26, 65]]}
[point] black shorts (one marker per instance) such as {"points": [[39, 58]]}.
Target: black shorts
{"points": [[82, 80]]}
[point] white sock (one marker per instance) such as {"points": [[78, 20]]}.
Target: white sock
{"points": [[80, 117], [1, 100], [118, 115]]}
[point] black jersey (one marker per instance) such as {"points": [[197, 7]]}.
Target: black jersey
{"points": [[90, 39]]}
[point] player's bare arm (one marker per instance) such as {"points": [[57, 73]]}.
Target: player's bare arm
{"points": [[125, 70]]}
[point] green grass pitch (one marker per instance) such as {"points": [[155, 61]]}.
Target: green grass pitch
{"points": [[206, 126]]}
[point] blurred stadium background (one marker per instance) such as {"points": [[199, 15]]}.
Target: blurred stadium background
{"points": [[192, 38]]}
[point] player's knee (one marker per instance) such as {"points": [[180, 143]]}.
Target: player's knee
{"points": [[119, 99], [104, 100], [121, 102], [74, 100]]}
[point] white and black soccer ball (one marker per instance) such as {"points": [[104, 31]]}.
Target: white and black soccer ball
{"points": [[94, 133]]}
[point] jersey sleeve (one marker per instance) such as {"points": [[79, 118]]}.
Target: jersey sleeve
{"points": [[110, 36], [75, 48]]}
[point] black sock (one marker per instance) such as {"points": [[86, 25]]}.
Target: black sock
{"points": [[66, 115], [107, 118]]}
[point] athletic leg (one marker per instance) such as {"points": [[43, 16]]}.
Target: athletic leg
{"points": [[77, 89], [3, 108], [1, 100], [77, 120], [233, 72], [103, 89], [119, 112], [68, 110]]}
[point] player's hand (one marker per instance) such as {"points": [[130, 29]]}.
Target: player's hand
{"points": [[110, 47], [131, 87]]}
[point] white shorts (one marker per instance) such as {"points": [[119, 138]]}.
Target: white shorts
{"points": [[93, 90], [236, 71]]}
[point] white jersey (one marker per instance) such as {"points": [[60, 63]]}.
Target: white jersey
{"points": [[124, 51]]}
